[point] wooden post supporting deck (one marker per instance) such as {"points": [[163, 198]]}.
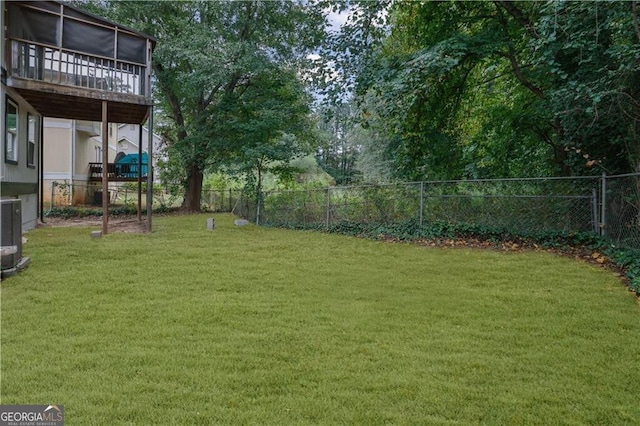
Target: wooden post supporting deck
{"points": [[140, 173], [105, 173], [150, 171]]}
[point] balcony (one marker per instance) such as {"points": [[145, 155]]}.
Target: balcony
{"points": [[117, 172], [37, 62], [66, 62]]}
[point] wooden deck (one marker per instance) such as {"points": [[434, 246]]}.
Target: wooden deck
{"points": [[66, 63], [117, 172]]}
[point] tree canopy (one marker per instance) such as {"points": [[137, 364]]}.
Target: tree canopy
{"points": [[495, 89]]}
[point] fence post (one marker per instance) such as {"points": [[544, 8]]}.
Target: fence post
{"points": [[421, 202], [258, 207], [230, 204], [603, 206], [328, 218], [594, 211]]}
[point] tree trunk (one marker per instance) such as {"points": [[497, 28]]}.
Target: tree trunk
{"points": [[259, 195], [192, 198], [560, 154]]}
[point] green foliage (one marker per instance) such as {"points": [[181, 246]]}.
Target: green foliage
{"points": [[629, 260], [128, 209], [497, 89], [68, 212], [271, 118], [591, 52], [220, 181]]}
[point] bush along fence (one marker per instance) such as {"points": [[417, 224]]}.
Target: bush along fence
{"points": [[602, 213]]}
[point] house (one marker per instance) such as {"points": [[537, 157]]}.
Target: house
{"points": [[73, 158], [128, 148], [128, 135], [60, 62], [68, 149]]}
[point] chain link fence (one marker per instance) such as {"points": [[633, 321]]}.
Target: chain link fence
{"points": [[605, 205], [620, 209], [220, 201], [65, 194], [608, 205]]}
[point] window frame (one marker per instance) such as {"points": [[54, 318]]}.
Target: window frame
{"points": [[15, 141], [31, 155]]}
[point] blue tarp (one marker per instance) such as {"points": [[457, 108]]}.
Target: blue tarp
{"points": [[127, 166]]}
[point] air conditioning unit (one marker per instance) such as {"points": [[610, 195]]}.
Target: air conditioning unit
{"points": [[11, 237]]}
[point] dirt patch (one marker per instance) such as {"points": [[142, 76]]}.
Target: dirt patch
{"points": [[127, 225]]}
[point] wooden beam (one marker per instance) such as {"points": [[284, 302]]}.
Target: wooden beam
{"points": [[150, 171], [60, 101], [80, 92], [140, 173], [105, 165]]}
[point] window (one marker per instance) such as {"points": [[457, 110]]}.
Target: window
{"points": [[32, 137], [11, 134]]}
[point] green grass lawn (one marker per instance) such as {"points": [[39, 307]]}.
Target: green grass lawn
{"points": [[265, 326]]}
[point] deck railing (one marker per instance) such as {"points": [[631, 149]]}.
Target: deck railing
{"points": [[34, 61], [117, 172]]}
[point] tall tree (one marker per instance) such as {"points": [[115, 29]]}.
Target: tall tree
{"points": [[339, 149]]}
